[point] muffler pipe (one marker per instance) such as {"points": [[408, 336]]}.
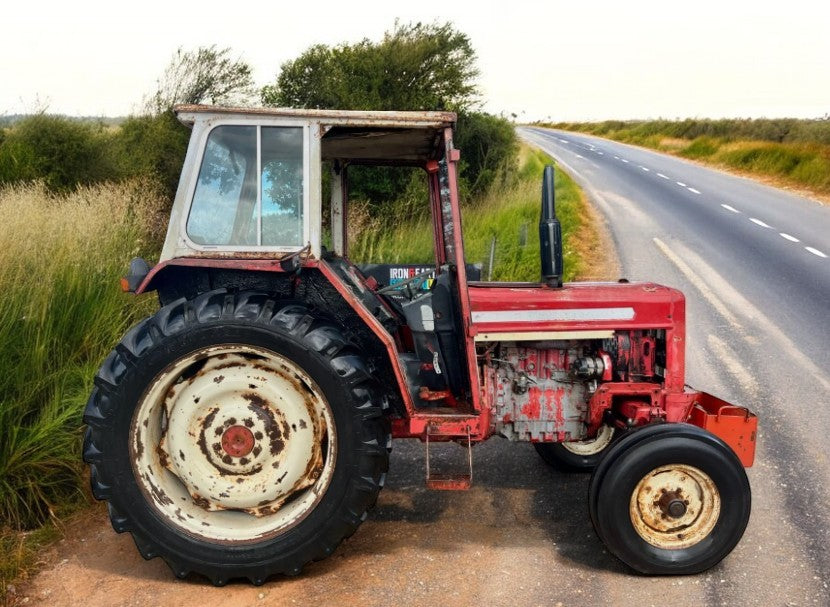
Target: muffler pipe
{"points": [[550, 234]]}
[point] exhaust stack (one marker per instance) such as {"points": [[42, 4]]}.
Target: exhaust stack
{"points": [[550, 234]]}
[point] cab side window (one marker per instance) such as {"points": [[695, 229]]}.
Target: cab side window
{"points": [[244, 198]]}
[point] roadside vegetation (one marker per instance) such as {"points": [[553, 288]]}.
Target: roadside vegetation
{"points": [[503, 221], [792, 152], [62, 311], [79, 198]]}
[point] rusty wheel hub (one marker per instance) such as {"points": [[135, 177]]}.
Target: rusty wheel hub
{"points": [[238, 441], [231, 442], [675, 507]]}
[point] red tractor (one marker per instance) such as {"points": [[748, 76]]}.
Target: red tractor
{"points": [[244, 429]]}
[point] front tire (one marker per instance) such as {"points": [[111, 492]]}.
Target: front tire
{"points": [[672, 499], [236, 436]]}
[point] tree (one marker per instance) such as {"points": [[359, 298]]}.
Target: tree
{"points": [[206, 75], [414, 67]]}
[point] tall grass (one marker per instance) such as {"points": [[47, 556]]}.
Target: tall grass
{"points": [[794, 151], [509, 213], [61, 312]]}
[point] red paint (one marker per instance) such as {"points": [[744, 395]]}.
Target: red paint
{"points": [[532, 409], [737, 426], [238, 441]]}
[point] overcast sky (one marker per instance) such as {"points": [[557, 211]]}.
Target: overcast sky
{"points": [[564, 60]]}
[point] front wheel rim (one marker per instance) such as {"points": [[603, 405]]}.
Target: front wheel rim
{"points": [[233, 443], [675, 506]]}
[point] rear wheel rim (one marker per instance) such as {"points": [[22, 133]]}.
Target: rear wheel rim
{"points": [[592, 446], [675, 507], [233, 444]]}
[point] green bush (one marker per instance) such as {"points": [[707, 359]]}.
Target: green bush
{"points": [[152, 147], [61, 152], [489, 150]]}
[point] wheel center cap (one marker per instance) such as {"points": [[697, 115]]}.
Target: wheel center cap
{"points": [[238, 441]]}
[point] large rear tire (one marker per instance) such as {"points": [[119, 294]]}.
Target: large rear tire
{"points": [[236, 436], [672, 499]]}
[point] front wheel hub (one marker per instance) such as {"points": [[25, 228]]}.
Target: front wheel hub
{"points": [[675, 506]]}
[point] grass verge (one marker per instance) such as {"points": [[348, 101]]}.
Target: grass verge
{"points": [[791, 153], [508, 215], [60, 259]]}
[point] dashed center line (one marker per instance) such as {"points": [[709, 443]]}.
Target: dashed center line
{"points": [[624, 160], [788, 237], [578, 156], [816, 252], [616, 157], [694, 191], [681, 184], [600, 153], [661, 175], [645, 168], [728, 208], [759, 222]]}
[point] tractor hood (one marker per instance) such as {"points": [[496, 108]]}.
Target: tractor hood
{"points": [[530, 311]]}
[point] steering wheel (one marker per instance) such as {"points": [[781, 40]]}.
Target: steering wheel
{"points": [[409, 288]]}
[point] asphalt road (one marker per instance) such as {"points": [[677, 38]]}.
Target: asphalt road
{"points": [[757, 321], [754, 263]]}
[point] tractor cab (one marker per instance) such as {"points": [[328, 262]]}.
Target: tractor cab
{"points": [[251, 196]]}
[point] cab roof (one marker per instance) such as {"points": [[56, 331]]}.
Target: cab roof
{"points": [[372, 137]]}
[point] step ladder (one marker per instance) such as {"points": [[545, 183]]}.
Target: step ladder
{"points": [[449, 482]]}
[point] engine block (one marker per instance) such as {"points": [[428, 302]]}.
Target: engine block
{"points": [[541, 395]]}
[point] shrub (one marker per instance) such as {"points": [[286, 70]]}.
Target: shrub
{"points": [[61, 152]]}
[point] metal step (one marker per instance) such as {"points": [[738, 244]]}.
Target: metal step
{"points": [[444, 481]]}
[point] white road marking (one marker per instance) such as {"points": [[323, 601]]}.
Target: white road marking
{"points": [[600, 153], [757, 319], [788, 237], [578, 156], [759, 222], [728, 208], [644, 168], [699, 284], [616, 157], [661, 175], [625, 161], [816, 252], [733, 364], [693, 191], [681, 184]]}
